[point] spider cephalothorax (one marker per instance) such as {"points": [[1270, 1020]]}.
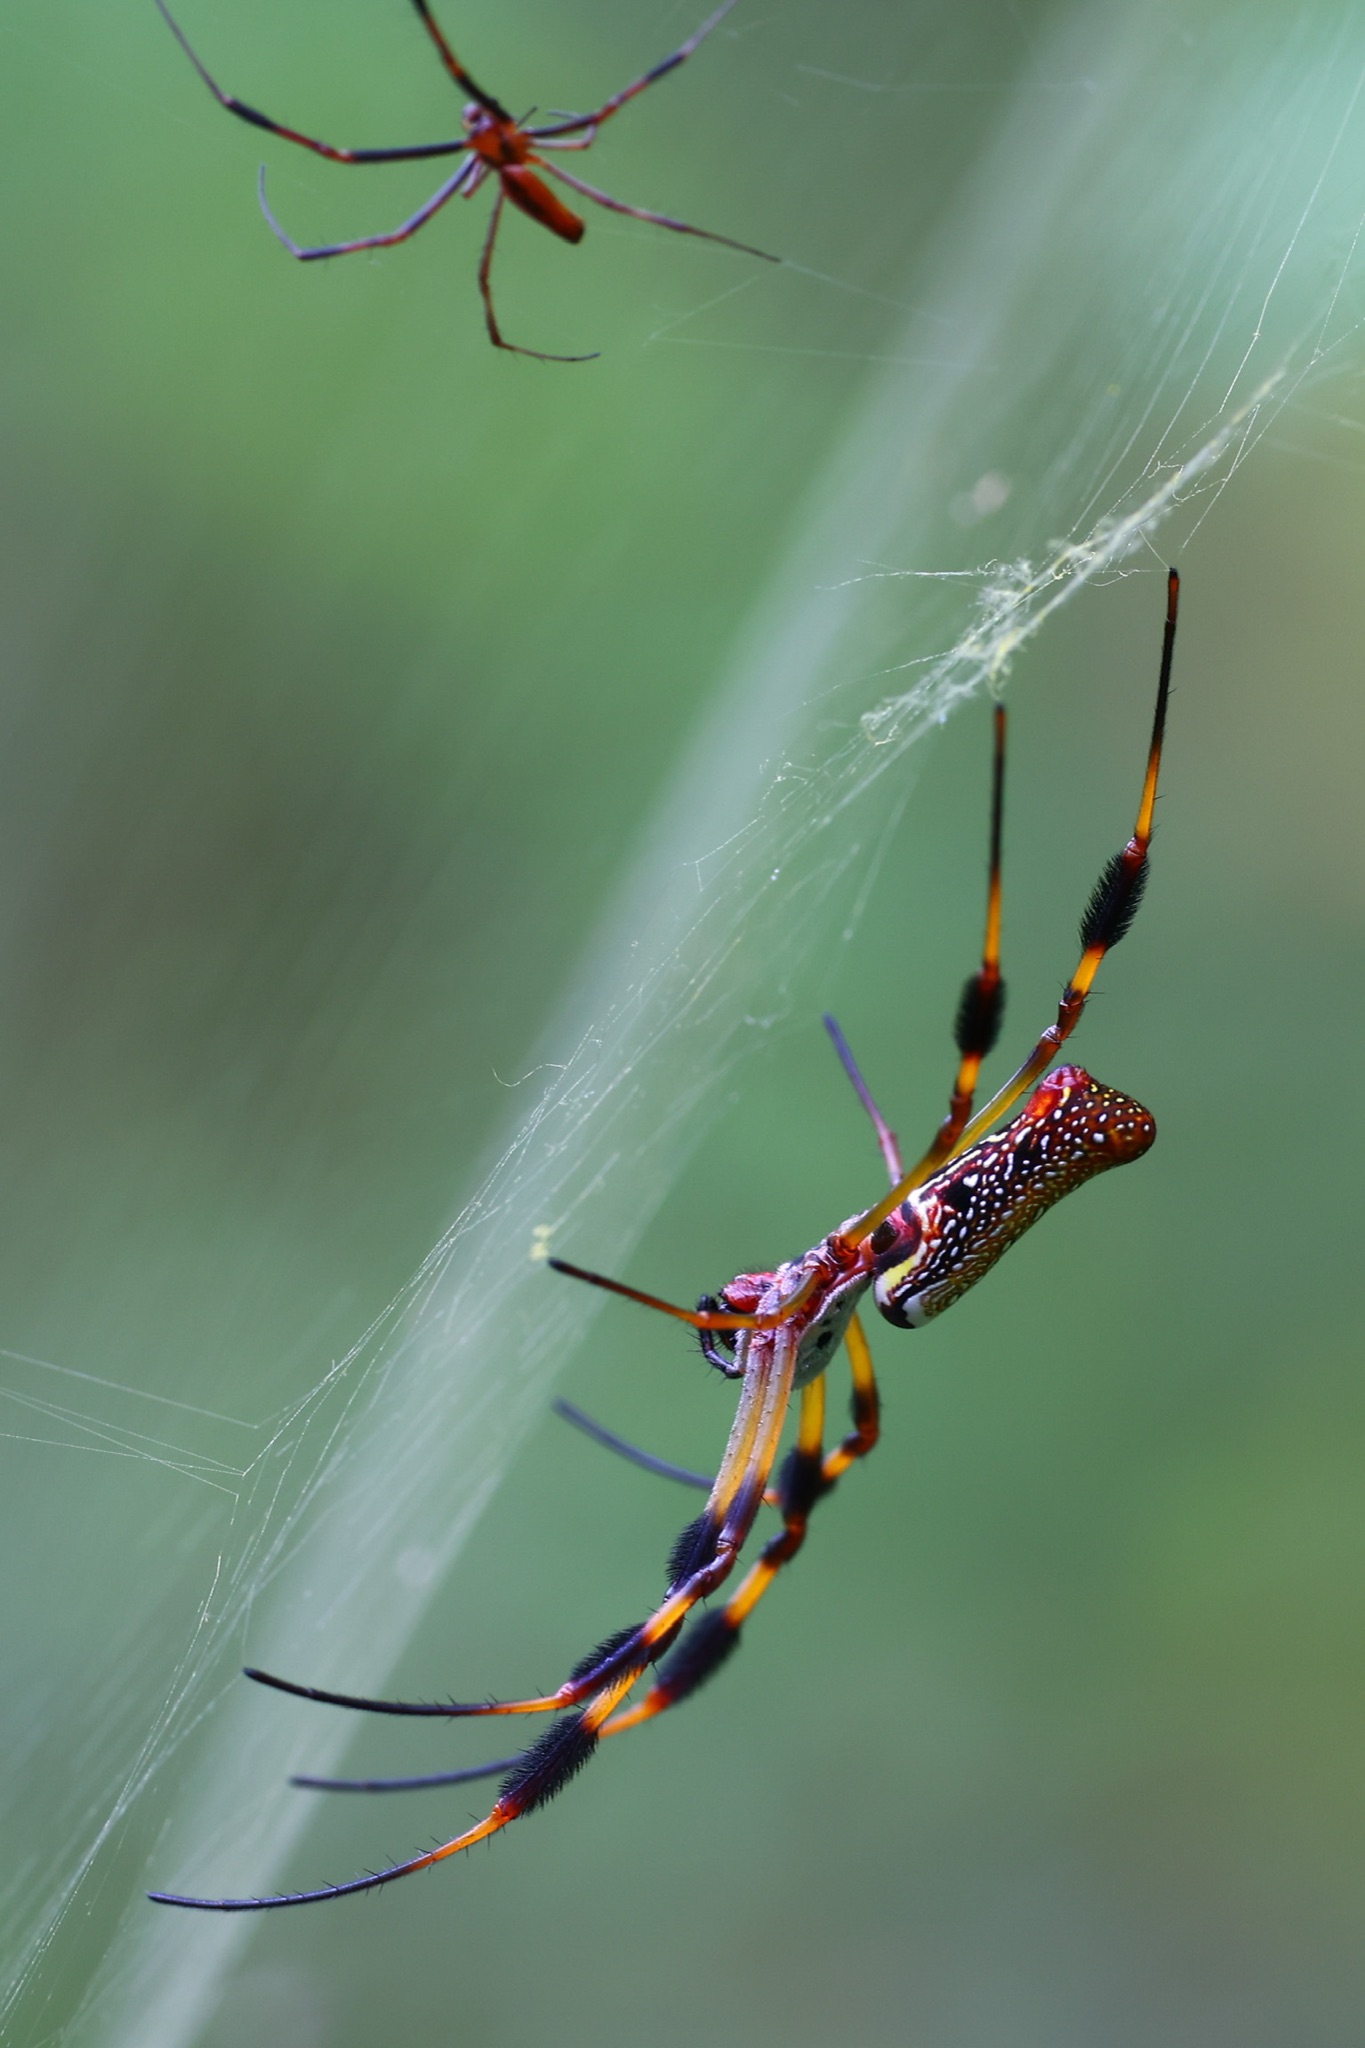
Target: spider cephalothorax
{"points": [[943, 1224]]}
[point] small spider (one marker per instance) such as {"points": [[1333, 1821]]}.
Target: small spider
{"points": [[494, 144], [943, 1225]]}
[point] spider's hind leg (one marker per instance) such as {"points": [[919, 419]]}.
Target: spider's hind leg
{"points": [[254, 118]]}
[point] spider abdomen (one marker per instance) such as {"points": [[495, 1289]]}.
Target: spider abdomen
{"points": [[951, 1231], [531, 195]]}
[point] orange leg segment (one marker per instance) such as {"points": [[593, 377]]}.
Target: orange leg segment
{"points": [[709, 1549], [807, 1477], [1112, 907]]}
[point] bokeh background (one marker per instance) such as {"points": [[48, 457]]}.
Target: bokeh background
{"points": [[345, 665]]}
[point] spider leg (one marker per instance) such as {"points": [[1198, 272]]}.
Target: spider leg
{"points": [[460, 181], [593, 121], [979, 1010], [631, 1452], [715, 1637], [1112, 907], [705, 1552], [703, 1558], [608, 1438], [495, 334], [647, 1462], [699, 1318], [486, 269], [456, 68], [886, 1137], [422, 1784], [807, 1477], [256, 119], [981, 1006], [537, 1775], [866, 1405], [549, 138], [658, 220]]}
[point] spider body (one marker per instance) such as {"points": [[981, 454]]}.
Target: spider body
{"points": [[503, 151], [533, 197], [832, 1278], [941, 1227], [492, 144], [946, 1235]]}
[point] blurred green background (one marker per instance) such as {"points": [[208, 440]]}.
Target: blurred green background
{"points": [[344, 666]]}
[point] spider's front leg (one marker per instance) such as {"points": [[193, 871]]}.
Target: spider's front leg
{"points": [[807, 1476], [702, 1561], [408, 152], [710, 1641]]}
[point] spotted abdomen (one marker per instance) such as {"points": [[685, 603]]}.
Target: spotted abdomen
{"points": [[953, 1229]]}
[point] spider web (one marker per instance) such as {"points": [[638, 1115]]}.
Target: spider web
{"points": [[1219, 209]]}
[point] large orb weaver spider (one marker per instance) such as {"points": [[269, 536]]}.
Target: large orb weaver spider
{"points": [[494, 145], [943, 1225]]}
